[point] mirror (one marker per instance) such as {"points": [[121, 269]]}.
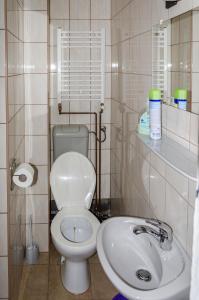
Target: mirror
{"points": [[175, 63]]}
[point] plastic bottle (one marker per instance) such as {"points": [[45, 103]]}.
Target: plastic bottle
{"points": [[155, 114], [143, 126], [181, 98]]}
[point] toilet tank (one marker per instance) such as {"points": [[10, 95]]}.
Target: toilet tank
{"points": [[70, 138]]}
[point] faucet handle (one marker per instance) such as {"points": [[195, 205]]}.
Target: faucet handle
{"points": [[166, 232]]}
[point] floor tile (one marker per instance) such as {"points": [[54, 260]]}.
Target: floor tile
{"points": [[101, 286], [34, 283]]}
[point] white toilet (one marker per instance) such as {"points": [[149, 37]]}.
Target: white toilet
{"points": [[74, 228]]}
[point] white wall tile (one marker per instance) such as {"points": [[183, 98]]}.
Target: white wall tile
{"points": [[194, 129], [35, 57], [157, 193], [4, 277], [178, 181], [158, 164], [178, 121], [3, 235], [195, 58], [195, 90], [36, 119], [35, 145], [176, 214], [36, 88], [190, 230], [35, 26], [192, 192], [195, 25]]}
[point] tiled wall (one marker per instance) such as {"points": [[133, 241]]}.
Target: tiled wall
{"points": [[16, 140], [12, 118], [3, 162], [141, 183], [82, 15], [36, 112]]}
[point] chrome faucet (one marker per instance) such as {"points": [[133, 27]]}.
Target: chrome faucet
{"points": [[164, 235]]}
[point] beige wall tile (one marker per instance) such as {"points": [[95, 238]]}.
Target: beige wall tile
{"points": [[3, 149], [3, 100], [79, 9], [2, 53], [35, 26], [41, 186], [3, 235], [2, 15], [41, 236], [37, 206], [4, 277], [35, 4], [101, 9], [35, 57], [3, 191], [36, 120], [36, 88], [59, 9]]}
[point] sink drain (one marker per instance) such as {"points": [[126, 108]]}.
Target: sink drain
{"points": [[143, 275]]}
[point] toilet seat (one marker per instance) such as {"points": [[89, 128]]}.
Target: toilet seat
{"points": [[64, 242], [72, 180]]}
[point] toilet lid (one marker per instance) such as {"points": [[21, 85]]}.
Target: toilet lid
{"points": [[72, 180]]}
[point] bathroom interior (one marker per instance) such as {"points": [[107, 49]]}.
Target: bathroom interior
{"points": [[99, 119]]}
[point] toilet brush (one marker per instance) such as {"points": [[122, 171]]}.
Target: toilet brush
{"points": [[32, 249]]}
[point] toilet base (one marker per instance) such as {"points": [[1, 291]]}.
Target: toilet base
{"points": [[75, 276]]}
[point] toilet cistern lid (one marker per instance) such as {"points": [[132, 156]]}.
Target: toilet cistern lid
{"points": [[72, 180]]}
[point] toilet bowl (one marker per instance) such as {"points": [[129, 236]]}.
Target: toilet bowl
{"points": [[74, 228]]}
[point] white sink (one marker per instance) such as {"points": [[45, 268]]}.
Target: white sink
{"points": [[137, 266]]}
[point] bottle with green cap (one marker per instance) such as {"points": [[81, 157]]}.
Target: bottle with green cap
{"points": [[180, 98], [155, 114]]}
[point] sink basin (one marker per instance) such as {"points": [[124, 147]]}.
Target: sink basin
{"points": [[137, 266]]}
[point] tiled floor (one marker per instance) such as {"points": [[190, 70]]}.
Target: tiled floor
{"points": [[43, 282]]}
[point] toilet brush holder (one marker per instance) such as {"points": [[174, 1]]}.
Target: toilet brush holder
{"points": [[32, 254], [32, 249]]}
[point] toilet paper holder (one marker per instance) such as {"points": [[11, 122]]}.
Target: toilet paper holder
{"points": [[22, 177], [13, 166]]}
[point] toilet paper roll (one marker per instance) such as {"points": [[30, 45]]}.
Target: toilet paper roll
{"points": [[24, 175]]}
